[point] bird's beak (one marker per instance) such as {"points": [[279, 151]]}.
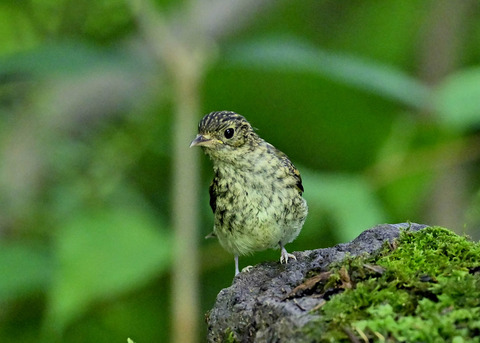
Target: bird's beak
{"points": [[204, 140]]}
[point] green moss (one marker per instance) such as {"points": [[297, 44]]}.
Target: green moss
{"points": [[229, 336], [426, 287]]}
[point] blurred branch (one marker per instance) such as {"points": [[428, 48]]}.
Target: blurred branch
{"points": [[443, 38], [185, 72], [440, 52], [221, 18], [21, 171]]}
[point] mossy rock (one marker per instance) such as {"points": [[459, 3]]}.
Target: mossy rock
{"points": [[423, 288], [394, 283]]}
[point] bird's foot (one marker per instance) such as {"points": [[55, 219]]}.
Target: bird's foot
{"points": [[247, 269], [285, 256], [237, 271]]}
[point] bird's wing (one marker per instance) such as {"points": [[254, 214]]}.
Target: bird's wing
{"points": [[289, 165], [213, 194], [294, 171]]}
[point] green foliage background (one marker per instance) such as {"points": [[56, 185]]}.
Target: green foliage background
{"points": [[377, 103]]}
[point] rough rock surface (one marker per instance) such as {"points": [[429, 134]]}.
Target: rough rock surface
{"points": [[254, 308]]}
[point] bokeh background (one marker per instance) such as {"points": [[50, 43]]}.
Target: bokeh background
{"points": [[103, 207]]}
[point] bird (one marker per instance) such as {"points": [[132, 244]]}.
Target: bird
{"points": [[256, 193]]}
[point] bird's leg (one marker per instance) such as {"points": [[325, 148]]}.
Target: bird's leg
{"points": [[237, 271], [285, 255]]}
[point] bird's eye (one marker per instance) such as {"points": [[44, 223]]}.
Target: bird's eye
{"points": [[229, 133]]}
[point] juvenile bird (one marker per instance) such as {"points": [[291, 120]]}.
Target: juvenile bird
{"points": [[256, 194]]}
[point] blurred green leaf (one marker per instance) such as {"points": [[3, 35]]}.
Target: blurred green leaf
{"points": [[349, 199], [102, 254], [294, 55], [16, 31], [70, 57], [24, 269], [457, 99]]}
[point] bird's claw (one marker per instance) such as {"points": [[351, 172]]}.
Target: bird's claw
{"points": [[247, 269], [285, 256]]}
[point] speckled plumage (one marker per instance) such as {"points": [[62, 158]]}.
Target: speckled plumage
{"points": [[256, 194]]}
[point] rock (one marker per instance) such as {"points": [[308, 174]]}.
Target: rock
{"points": [[255, 308]]}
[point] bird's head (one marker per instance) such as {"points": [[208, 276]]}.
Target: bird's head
{"points": [[224, 132]]}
